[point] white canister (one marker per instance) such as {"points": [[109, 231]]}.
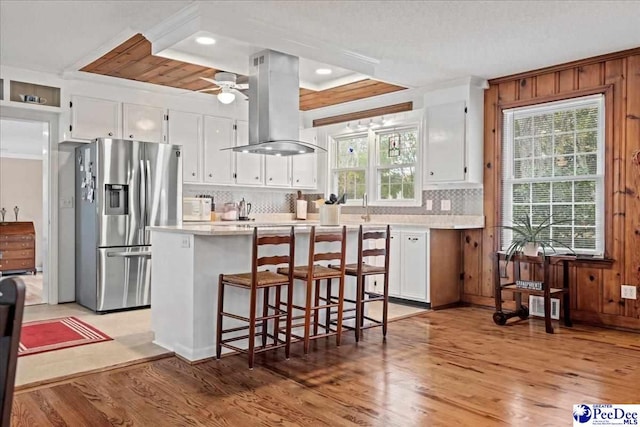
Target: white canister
{"points": [[330, 215], [301, 209]]}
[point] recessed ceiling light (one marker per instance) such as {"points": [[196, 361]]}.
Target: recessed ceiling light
{"points": [[301, 151], [245, 151], [324, 71], [268, 148], [278, 154], [205, 40]]}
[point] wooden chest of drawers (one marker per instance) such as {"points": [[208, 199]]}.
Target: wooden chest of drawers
{"points": [[17, 247]]}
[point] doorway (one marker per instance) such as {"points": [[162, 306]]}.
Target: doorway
{"points": [[24, 147]]}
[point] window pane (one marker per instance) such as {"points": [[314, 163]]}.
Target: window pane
{"points": [[352, 152], [541, 192], [403, 145], [543, 146], [543, 167], [562, 191], [564, 144], [542, 125], [521, 193], [563, 235], [587, 142], [587, 118], [540, 214], [523, 169], [585, 214], [523, 148], [586, 164], [562, 214], [564, 121], [585, 237], [352, 183], [563, 166], [396, 183], [520, 211], [523, 127], [585, 191]]}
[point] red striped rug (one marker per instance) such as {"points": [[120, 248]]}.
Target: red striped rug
{"points": [[55, 334]]}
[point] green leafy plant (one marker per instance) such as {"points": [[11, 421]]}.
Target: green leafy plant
{"points": [[526, 234]]}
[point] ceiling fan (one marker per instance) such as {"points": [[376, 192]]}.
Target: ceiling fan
{"points": [[228, 86]]}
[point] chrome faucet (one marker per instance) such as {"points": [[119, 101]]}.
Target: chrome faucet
{"points": [[365, 204]]}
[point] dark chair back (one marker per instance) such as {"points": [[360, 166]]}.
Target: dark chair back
{"points": [[12, 293], [274, 260]]}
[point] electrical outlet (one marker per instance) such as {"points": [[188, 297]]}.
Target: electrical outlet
{"points": [[628, 291], [429, 205], [186, 241], [445, 205], [66, 203]]}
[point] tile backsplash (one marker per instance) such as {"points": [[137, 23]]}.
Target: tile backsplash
{"points": [[463, 201]]}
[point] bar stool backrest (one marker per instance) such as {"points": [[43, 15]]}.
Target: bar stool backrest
{"points": [[274, 260], [363, 253], [328, 236]]}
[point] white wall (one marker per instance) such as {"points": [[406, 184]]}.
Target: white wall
{"points": [[21, 185]]}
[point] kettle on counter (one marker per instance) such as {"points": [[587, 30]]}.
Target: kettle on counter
{"points": [[244, 209]]}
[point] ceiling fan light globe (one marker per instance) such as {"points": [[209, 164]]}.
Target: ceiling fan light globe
{"points": [[226, 97]]}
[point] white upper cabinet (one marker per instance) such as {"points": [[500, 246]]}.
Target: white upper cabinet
{"points": [[94, 118], [185, 129], [277, 171], [142, 122], [218, 165], [454, 147], [303, 166], [445, 153], [249, 167]]}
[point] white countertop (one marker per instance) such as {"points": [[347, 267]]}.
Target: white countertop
{"points": [[280, 224]]}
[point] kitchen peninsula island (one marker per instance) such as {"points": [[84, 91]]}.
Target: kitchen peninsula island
{"points": [[185, 265]]}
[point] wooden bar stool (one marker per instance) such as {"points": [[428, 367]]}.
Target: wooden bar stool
{"points": [[313, 273], [361, 270], [264, 280]]}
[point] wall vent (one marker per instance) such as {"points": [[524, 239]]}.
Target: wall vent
{"points": [[536, 307]]}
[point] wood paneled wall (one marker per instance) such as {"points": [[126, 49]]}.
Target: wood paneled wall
{"points": [[595, 288]]}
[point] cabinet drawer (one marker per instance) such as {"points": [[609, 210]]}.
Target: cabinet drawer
{"points": [[17, 264], [16, 244], [17, 254]]}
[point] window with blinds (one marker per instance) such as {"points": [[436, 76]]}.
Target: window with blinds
{"points": [[553, 167]]}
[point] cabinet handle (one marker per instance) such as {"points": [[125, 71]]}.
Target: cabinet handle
{"points": [[110, 134], [297, 180], [210, 175], [413, 239], [257, 177], [270, 179], [430, 173], [194, 174], [131, 136]]}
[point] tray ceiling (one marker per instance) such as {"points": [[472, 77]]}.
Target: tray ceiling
{"points": [[133, 60]]}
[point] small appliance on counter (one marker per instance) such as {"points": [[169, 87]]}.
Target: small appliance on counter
{"points": [[244, 209], [230, 212], [196, 209], [301, 207]]}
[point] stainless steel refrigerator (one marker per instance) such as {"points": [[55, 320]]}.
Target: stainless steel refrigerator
{"points": [[121, 188]]}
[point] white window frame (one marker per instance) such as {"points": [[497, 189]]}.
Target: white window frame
{"points": [[508, 179], [414, 121]]}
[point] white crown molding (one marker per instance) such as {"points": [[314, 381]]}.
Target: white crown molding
{"points": [[98, 52], [352, 78]]}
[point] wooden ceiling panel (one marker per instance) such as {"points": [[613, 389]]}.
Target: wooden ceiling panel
{"points": [[133, 60]]}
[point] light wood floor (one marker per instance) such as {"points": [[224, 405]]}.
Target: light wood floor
{"points": [[444, 368]]}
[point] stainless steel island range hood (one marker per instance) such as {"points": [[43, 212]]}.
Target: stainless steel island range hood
{"points": [[274, 104]]}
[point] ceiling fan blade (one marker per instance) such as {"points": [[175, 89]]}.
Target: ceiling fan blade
{"points": [[213, 89], [211, 80], [242, 95], [243, 86], [242, 80]]}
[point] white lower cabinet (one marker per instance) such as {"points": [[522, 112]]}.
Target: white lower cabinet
{"points": [[425, 266], [408, 266], [277, 171]]}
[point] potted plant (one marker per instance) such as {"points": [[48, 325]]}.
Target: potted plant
{"points": [[527, 238]]}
